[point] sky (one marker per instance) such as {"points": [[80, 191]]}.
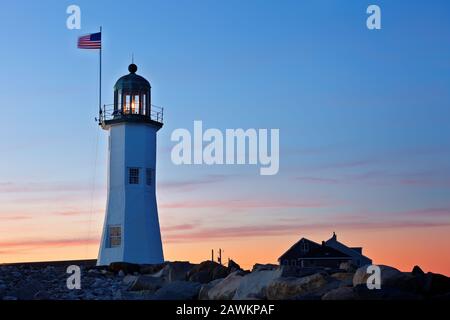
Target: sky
{"points": [[363, 119]]}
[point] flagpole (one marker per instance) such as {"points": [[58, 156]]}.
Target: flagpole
{"points": [[100, 73]]}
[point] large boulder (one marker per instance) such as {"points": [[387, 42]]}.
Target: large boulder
{"points": [[178, 290], [207, 271], [177, 271], [204, 289], [345, 278], [151, 268], [26, 289], [293, 271], [226, 288], [289, 288], [342, 293], [125, 267], [385, 293], [254, 285], [146, 282], [129, 279], [263, 267], [347, 266], [233, 266], [389, 276], [435, 284], [417, 271]]}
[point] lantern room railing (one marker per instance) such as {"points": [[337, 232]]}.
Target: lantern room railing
{"points": [[107, 113]]}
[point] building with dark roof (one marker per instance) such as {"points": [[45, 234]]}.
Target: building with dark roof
{"points": [[331, 253]]}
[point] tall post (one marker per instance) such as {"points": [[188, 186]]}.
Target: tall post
{"points": [[100, 74]]}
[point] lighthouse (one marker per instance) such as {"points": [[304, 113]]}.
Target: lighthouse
{"points": [[131, 230]]}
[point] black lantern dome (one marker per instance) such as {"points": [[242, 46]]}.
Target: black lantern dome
{"points": [[132, 102], [132, 94]]}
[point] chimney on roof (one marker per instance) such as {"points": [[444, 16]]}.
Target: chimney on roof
{"points": [[334, 236]]}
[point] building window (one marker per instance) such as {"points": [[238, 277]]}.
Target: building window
{"points": [[149, 176], [114, 236], [133, 175]]}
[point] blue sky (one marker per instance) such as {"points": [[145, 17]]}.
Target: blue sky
{"points": [[363, 115]]}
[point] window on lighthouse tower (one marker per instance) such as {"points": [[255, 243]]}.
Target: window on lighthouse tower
{"points": [[114, 236], [133, 175]]}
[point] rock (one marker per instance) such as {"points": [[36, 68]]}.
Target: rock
{"points": [[342, 293], [390, 276], [347, 266], [9, 298], [177, 271], [288, 288], [3, 288], [201, 277], [146, 282], [178, 290], [97, 283], [436, 284], [94, 271], [125, 267], [293, 271], [226, 288], [135, 295], [204, 289], [417, 271], [342, 276], [128, 280], [233, 266], [263, 267], [151, 268], [253, 285], [346, 279], [207, 271], [385, 293], [117, 295], [25, 290]]}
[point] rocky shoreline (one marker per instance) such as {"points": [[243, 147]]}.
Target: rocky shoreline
{"points": [[212, 281]]}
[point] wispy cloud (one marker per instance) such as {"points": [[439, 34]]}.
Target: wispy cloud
{"points": [[188, 185], [47, 243], [384, 178], [245, 204], [267, 230], [38, 187], [178, 227], [14, 217]]}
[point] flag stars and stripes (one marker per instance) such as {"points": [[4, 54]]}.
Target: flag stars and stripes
{"points": [[90, 41]]}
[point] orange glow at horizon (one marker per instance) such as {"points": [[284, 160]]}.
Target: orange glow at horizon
{"points": [[398, 248]]}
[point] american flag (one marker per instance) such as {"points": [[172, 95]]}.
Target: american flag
{"points": [[90, 41]]}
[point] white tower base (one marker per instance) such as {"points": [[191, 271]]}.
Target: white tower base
{"points": [[131, 230]]}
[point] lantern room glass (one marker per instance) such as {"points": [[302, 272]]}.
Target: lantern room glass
{"points": [[131, 102]]}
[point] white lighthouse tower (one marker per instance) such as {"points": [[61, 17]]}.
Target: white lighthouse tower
{"points": [[131, 229]]}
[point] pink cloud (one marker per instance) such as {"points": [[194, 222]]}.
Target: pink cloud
{"points": [[14, 218], [237, 232], [188, 185], [38, 187], [46, 243], [179, 227], [244, 204]]}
